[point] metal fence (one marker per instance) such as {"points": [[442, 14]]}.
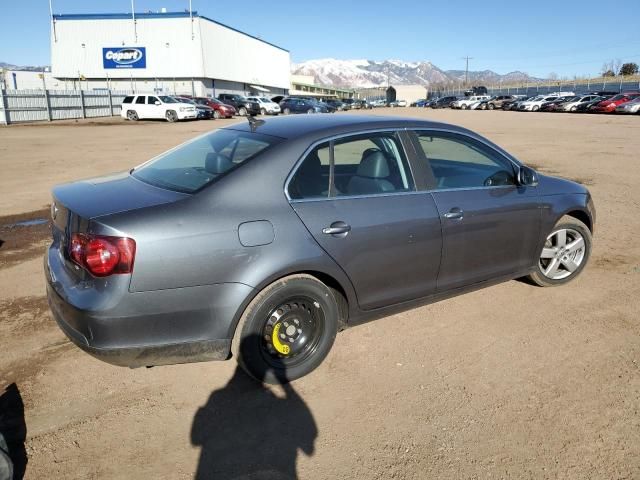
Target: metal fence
{"points": [[47, 105]]}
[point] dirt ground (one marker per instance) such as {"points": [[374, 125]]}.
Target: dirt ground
{"points": [[513, 381]]}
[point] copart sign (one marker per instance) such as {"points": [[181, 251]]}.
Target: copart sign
{"points": [[124, 57]]}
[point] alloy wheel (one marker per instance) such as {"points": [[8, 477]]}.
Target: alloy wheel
{"points": [[171, 116], [562, 254]]}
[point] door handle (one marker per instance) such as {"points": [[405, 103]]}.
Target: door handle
{"points": [[454, 213], [339, 229]]}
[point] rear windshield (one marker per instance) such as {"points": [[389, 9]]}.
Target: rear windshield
{"points": [[199, 162]]}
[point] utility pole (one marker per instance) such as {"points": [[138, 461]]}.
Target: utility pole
{"points": [[466, 70]]}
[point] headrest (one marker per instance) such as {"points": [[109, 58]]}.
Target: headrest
{"points": [[312, 164], [373, 164], [217, 164]]}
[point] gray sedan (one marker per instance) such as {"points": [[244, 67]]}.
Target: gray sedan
{"points": [[263, 239]]}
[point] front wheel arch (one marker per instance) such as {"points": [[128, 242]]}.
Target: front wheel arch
{"points": [[582, 216]]}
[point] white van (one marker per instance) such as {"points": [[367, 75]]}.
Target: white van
{"points": [[137, 107]]}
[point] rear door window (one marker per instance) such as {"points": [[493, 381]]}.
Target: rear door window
{"points": [[140, 100], [367, 164]]}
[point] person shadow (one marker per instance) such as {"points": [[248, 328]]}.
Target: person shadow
{"points": [[13, 433], [247, 431]]}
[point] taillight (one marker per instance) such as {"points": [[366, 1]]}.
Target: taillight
{"points": [[103, 255]]}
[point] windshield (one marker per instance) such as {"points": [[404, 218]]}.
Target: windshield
{"points": [[199, 162], [265, 100], [185, 100], [166, 99], [617, 97]]}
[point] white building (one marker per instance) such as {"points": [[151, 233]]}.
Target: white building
{"points": [[164, 52]]}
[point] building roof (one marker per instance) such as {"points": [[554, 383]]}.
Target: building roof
{"points": [[150, 15]]}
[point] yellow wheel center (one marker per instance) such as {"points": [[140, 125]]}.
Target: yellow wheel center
{"points": [[277, 344]]}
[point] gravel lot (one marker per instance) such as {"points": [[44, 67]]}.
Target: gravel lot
{"points": [[513, 381]]}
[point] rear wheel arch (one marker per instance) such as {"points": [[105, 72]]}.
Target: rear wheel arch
{"points": [[345, 297]]}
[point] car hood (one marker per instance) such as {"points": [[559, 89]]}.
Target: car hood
{"points": [[111, 194], [548, 185]]}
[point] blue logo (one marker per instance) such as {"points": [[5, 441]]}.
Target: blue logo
{"points": [[124, 57]]}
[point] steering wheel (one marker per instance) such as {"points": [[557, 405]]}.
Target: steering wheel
{"points": [[501, 177]]}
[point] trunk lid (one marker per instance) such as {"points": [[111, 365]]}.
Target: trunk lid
{"points": [[108, 195], [75, 204]]}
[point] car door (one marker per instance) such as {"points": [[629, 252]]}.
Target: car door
{"points": [[356, 196], [490, 225], [153, 110], [141, 106]]}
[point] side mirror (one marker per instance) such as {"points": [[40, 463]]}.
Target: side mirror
{"points": [[157, 102], [527, 177]]}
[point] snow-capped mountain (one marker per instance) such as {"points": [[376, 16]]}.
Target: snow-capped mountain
{"points": [[369, 73]]}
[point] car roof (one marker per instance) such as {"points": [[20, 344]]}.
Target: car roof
{"points": [[300, 125]]}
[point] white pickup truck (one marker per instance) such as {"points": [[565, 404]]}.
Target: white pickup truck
{"points": [[465, 103]]}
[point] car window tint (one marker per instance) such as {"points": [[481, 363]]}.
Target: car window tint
{"points": [[151, 100], [140, 100], [242, 148], [128, 100], [194, 164], [461, 162], [311, 180]]}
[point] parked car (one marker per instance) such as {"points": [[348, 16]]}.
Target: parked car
{"points": [[172, 261], [534, 104], [444, 102], [204, 112], [515, 102], [465, 103], [220, 110], [586, 106], [398, 103], [418, 103], [498, 101], [300, 105], [337, 104], [609, 105], [351, 103], [139, 107], [632, 106], [555, 105], [242, 105], [573, 104], [378, 103], [267, 107]]}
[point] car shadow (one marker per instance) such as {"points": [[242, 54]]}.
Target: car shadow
{"points": [[247, 430], [13, 432]]}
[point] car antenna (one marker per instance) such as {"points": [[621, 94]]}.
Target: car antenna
{"points": [[255, 123]]}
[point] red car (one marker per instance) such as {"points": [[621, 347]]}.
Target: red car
{"points": [[220, 110], [609, 105]]}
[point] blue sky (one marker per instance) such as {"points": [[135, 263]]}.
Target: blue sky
{"points": [[568, 38]]}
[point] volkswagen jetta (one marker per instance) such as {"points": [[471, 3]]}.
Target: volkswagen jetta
{"points": [[273, 235]]}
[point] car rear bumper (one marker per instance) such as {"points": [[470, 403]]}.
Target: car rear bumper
{"points": [[162, 327]]}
